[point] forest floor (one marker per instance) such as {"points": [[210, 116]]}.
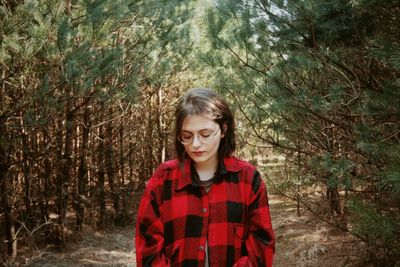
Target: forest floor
{"points": [[301, 241]]}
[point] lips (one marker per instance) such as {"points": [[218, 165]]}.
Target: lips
{"points": [[198, 153]]}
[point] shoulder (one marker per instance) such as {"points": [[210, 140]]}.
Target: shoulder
{"points": [[162, 172], [247, 172], [166, 167], [234, 164], [170, 164]]}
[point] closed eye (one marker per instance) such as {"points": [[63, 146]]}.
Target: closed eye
{"points": [[187, 136], [206, 133]]}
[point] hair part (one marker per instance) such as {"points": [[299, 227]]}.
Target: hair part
{"points": [[203, 101]]}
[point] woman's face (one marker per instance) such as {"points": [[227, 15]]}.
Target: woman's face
{"points": [[205, 135]]}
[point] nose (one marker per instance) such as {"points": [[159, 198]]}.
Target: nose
{"points": [[196, 141]]}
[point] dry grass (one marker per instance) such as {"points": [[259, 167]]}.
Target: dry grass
{"points": [[110, 248], [306, 241], [301, 241]]}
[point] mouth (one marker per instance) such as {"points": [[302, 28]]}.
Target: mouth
{"points": [[198, 153]]}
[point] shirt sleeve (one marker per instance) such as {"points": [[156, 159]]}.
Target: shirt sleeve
{"points": [[150, 229], [260, 242]]}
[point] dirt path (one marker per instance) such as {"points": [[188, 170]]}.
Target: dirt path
{"points": [[301, 241], [111, 248], [306, 241]]}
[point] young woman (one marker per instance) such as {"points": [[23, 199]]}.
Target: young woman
{"points": [[206, 208]]}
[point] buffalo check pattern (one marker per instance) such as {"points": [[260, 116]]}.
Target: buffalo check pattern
{"points": [[178, 220]]}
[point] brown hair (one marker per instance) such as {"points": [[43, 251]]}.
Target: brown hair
{"points": [[202, 101]]}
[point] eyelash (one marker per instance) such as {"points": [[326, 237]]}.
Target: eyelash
{"points": [[204, 135], [201, 134]]}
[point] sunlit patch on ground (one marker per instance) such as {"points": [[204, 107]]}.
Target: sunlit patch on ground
{"points": [[306, 241], [300, 241], [112, 248]]}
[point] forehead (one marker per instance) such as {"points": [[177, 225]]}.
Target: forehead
{"points": [[197, 122]]}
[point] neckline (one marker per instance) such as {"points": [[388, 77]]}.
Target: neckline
{"points": [[196, 178]]}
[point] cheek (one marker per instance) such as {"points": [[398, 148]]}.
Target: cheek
{"points": [[216, 143], [186, 148]]}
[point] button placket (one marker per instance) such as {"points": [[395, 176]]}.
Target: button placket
{"points": [[204, 211]]}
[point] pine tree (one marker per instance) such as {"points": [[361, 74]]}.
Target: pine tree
{"points": [[73, 75], [319, 80]]}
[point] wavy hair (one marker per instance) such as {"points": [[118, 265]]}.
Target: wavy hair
{"points": [[203, 101]]}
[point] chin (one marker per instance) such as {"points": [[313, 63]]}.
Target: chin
{"points": [[198, 159]]}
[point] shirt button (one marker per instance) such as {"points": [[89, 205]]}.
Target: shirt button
{"points": [[201, 248], [204, 210]]}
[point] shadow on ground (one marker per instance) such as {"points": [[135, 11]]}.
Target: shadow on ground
{"points": [[301, 241]]}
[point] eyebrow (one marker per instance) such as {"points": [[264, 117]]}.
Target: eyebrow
{"points": [[205, 129]]}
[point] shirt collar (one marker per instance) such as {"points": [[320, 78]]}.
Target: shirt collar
{"points": [[229, 164], [184, 177]]}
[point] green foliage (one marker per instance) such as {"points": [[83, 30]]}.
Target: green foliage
{"points": [[64, 35], [376, 228], [337, 170], [391, 181], [76, 74], [386, 51], [319, 79]]}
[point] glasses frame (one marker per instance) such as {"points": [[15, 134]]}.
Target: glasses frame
{"points": [[199, 137]]}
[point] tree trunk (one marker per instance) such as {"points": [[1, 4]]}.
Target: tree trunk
{"points": [[47, 189], [6, 190], [149, 135], [298, 181], [122, 171], [64, 163], [68, 148], [110, 164], [59, 176], [334, 200], [82, 178], [25, 167], [101, 172], [161, 128]]}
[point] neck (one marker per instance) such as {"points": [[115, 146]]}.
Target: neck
{"points": [[206, 169], [209, 165]]}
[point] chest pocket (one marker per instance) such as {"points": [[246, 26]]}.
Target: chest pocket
{"points": [[235, 212]]}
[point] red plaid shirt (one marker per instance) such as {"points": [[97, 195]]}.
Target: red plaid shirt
{"points": [[177, 219]]}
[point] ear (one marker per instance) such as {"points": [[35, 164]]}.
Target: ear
{"points": [[223, 130]]}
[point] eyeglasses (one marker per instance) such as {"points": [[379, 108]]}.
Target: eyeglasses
{"points": [[205, 137]]}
